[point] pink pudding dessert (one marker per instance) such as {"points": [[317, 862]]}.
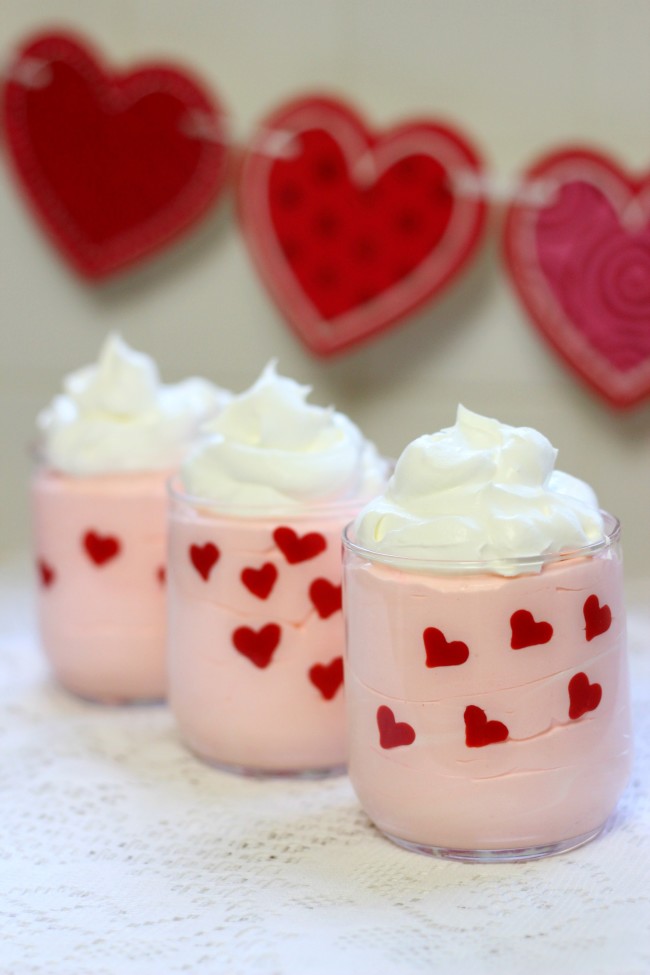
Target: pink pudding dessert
{"points": [[99, 511], [255, 623], [486, 668]]}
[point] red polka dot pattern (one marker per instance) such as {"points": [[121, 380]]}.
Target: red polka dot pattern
{"points": [[351, 231], [347, 244]]}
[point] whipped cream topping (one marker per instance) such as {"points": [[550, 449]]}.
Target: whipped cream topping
{"points": [[117, 416], [271, 449], [480, 491]]}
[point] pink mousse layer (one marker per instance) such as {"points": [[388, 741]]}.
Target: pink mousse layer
{"points": [[269, 715], [554, 777], [100, 550]]}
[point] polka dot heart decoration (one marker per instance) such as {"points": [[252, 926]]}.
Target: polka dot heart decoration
{"points": [[580, 260], [352, 230], [115, 165]]}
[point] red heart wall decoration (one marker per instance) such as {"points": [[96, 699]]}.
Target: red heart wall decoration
{"points": [[115, 165], [352, 230], [580, 262]]}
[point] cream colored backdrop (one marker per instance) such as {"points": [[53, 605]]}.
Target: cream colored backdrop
{"points": [[520, 76]]}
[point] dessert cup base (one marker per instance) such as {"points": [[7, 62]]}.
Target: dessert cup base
{"points": [[250, 772], [115, 701], [498, 856]]}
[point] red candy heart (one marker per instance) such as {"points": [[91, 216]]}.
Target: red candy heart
{"points": [[326, 597], [393, 733], [479, 731], [527, 632], [583, 696], [581, 264], [101, 548], [257, 646], [115, 165], [46, 573], [260, 581], [350, 230], [440, 652], [327, 677], [296, 548], [598, 619], [203, 558]]}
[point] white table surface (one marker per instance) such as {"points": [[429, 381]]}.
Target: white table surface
{"points": [[121, 854]]}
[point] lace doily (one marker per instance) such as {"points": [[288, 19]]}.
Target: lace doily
{"points": [[123, 855]]}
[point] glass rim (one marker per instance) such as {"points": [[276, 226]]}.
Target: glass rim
{"points": [[235, 509], [493, 566]]}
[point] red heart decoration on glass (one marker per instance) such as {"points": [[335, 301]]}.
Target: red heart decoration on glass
{"points": [[46, 573], [598, 619], [204, 558], [441, 652], [527, 631], [393, 733], [260, 581], [299, 548], [326, 597], [115, 165], [583, 696], [101, 548], [257, 645], [579, 257], [352, 230], [327, 677], [479, 731]]}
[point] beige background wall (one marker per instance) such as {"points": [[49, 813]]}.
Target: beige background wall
{"points": [[521, 76]]}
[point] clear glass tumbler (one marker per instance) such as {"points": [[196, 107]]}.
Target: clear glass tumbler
{"points": [[100, 550], [488, 714], [256, 635]]}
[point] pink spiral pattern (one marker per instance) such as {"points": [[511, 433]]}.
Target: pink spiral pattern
{"points": [[599, 272]]}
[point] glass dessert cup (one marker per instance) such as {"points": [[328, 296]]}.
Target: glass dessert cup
{"points": [[255, 635], [488, 714], [100, 549]]}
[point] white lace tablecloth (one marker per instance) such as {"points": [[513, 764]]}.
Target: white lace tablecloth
{"points": [[121, 854]]}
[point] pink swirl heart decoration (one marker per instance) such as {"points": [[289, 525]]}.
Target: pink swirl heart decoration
{"points": [[580, 261]]}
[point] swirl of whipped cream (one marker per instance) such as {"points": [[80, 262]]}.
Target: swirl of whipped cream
{"points": [[117, 415], [271, 449], [480, 491]]}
